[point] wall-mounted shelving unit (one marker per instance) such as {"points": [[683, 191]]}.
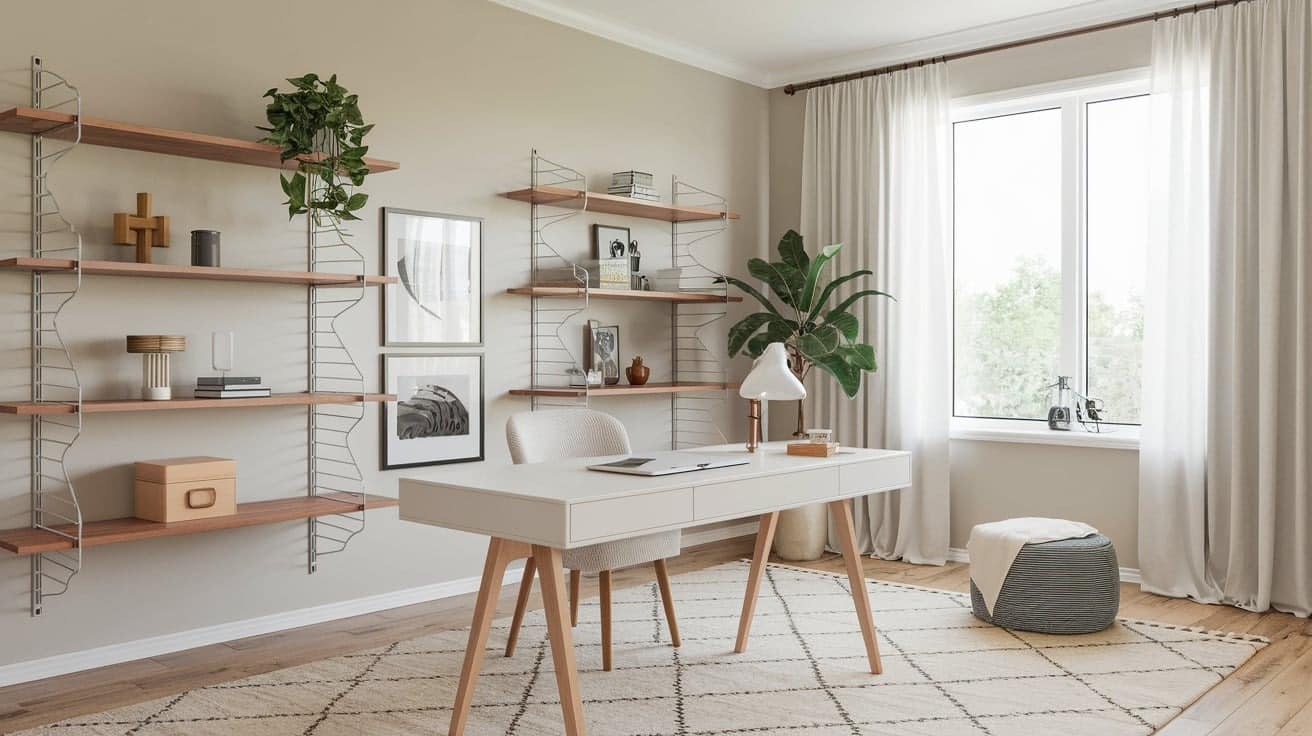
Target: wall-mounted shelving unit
{"points": [[559, 290], [334, 279]]}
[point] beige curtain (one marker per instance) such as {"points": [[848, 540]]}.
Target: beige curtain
{"points": [[875, 177], [1225, 479]]}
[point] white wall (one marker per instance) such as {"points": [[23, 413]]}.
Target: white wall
{"points": [[460, 90], [992, 480]]}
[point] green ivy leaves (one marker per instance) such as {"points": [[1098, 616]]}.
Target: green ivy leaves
{"points": [[830, 343], [320, 125]]}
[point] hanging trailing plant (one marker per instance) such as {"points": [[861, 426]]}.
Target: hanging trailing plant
{"points": [[319, 124]]}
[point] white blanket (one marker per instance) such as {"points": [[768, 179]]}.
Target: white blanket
{"points": [[993, 547]]}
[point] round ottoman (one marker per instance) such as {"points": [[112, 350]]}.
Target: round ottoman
{"points": [[1071, 586]]}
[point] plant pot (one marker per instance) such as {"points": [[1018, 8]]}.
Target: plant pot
{"points": [[801, 533]]}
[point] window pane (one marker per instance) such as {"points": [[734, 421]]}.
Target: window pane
{"points": [[1117, 240], [1008, 239]]}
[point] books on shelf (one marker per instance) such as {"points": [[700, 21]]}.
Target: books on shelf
{"points": [[626, 178], [228, 381], [230, 387]]}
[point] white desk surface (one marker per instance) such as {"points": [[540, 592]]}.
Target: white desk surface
{"points": [[562, 504]]}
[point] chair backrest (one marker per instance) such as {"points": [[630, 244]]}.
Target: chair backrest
{"points": [[554, 434]]}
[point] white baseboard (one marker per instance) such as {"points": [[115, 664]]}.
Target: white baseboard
{"points": [[62, 664], [1128, 574]]}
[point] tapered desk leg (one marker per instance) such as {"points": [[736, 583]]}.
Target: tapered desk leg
{"points": [[764, 538], [857, 580], [552, 576], [500, 553], [521, 606]]}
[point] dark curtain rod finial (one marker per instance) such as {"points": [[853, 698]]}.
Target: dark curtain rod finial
{"points": [[792, 89]]}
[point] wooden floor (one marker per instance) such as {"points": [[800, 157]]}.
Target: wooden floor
{"points": [[1270, 694]]}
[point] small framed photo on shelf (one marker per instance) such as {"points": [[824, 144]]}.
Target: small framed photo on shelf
{"points": [[601, 350], [437, 417], [609, 241], [438, 260]]}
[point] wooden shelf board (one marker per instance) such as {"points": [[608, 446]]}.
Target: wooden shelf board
{"points": [[679, 297], [623, 390], [202, 273], [614, 205], [28, 541], [114, 134], [101, 406]]}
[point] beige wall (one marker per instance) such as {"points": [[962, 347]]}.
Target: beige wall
{"points": [[992, 480], [460, 90]]}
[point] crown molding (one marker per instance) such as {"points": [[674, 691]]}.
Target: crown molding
{"points": [[640, 40]]}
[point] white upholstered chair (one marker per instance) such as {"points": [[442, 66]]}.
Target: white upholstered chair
{"points": [[539, 436]]}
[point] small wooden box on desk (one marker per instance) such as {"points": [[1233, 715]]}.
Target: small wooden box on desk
{"points": [[185, 488], [813, 449]]}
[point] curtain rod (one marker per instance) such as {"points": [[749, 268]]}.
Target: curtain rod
{"points": [[1146, 18]]}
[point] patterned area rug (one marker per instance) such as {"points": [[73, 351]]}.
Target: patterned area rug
{"points": [[804, 674]]}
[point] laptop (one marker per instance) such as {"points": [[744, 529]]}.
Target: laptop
{"points": [[667, 463]]}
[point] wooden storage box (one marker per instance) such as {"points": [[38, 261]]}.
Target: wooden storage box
{"points": [[185, 488]]}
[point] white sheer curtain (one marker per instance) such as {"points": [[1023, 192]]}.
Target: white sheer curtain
{"points": [[875, 177], [1225, 484]]}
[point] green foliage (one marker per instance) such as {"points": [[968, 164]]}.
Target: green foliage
{"points": [[319, 124], [803, 286]]}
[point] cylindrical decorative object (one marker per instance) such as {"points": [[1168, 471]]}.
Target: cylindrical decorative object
{"points": [[154, 350], [801, 533], [205, 248]]}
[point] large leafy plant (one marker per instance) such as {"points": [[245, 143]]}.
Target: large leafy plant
{"points": [[319, 124], [815, 332]]}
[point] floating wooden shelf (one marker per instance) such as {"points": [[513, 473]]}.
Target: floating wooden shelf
{"points": [[202, 273], [102, 406], [28, 541], [674, 297], [614, 205], [113, 134], [622, 390]]}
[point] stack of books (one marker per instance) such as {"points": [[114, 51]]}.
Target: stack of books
{"points": [[635, 184], [230, 387]]}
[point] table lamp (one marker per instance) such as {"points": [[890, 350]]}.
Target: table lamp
{"points": [[770, 379], [154, 350]]}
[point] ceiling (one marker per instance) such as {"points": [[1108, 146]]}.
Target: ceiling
{"points": [[770, 43]]}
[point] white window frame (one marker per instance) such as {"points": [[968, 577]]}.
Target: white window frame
{"points": [[1071, 96]]}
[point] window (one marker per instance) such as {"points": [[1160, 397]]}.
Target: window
{"points": [[1050, 229]]}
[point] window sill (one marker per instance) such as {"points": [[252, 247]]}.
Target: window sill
{"points": [[1113, 437]]}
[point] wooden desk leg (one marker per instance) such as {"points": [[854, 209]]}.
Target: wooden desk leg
{"points": [[764, 538], [552, 576], [521, 605], [500, 553], [856, 579]]}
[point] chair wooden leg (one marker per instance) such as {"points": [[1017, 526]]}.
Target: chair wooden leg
{"points": [[500, 553], [663, 579], [764, 538], [605, 619], [552, 576], [521, 605], [856, 579], [575, 581]]}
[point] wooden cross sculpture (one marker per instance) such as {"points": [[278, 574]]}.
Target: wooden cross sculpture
{"points": [[141, 229]]}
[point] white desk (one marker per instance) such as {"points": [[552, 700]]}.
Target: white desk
{"points": [[538, 510]]}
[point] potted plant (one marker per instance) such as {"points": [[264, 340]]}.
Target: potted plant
{"points": [[818, 329], [320, 126]]}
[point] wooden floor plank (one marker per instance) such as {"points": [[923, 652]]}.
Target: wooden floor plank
{"points": [[1276, 703]]}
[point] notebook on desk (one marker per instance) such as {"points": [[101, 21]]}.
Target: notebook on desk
{"points": [[667, 463]]}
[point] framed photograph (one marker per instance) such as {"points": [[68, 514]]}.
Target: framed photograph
{"points": [[437, 417], [601, 350], [438, 261], [604, 239]]}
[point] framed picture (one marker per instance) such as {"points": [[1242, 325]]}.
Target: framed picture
{"points": [[604, 238], [437, 417], [438, 261], [601, 350]]}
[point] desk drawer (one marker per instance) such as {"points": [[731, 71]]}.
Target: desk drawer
{"points": [[875, 475], [744, 497], [596, 519]]}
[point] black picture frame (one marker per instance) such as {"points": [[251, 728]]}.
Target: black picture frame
{"points": [[388, 313], [389, 413], [590, 346], [603, 235]]}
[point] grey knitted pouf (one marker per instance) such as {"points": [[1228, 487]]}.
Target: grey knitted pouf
{"points": [[1071, 586]]}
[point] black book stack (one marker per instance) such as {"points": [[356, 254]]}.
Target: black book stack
{"points": [[230, 387]]}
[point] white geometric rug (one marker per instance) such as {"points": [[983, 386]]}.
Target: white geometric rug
{"points": [[804, 674]]}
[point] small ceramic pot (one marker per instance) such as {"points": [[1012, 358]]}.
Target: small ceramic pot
{"points": [[205, 248], [637, 373]]}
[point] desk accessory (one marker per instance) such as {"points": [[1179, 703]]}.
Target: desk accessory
{"points": [[185, 488], [154, 350], [813, 449], [637, 373], [770, 379], [143, 230], [205, 248]]}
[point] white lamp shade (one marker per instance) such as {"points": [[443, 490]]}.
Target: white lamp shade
{"points": [[770, 378]]}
